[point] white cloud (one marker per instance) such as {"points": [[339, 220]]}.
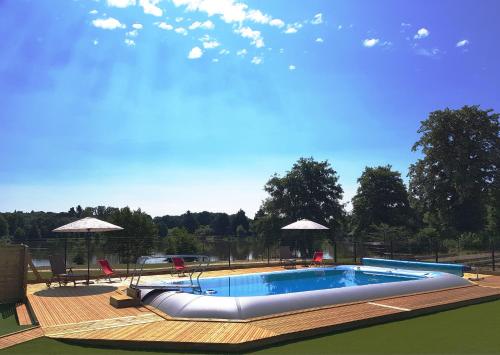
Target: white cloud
{"points": [[256, 60], [339, 27], [224, 52], [195, 53], [120, 3], [215, 60], [462, 43], [95, 42], [179, 19], [137, 26], [318, 19], [291, 67], [181, 31], [370, 42], [319, 40], [293, 28], [422, 33], [165, 26], [129, 42], [242, 52], [254, 35], [258, 17], [132, 33], [210, 44], [93, 12], [404, 24], [228, 10], [150, 7], [276, 22], [428, 52], [109, 23], [207, 25]]}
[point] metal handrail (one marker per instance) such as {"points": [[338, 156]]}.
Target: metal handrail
{"points": [[204, 262]]}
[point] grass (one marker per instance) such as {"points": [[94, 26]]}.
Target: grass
{"points": [[468, 330], [8, 322]]}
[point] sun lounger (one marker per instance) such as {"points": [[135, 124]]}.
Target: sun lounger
{"points": [[317, 259], [59, 272], [286, 258], [107, 269]]}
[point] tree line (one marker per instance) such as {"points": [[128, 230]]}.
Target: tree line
{"points": [[453, 194]]}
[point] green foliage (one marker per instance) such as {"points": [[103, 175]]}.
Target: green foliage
{"points": [[240, 220], [19, 235], [386, 232], [138, 236], [460, 158], [181, 241], [309, 190], [189, 222], [204, 231], [381, 199], [221, 224], [5, 240], [4, 226], [266, 228]]}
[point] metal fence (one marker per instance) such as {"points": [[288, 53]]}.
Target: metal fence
{"points": [[232, 251]]}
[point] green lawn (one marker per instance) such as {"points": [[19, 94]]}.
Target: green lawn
{"points": [[8, 322], [469, 330]]}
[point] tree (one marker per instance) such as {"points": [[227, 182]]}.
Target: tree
{"points": [[19, 235], [240, 219], [4, 226], [220, 224], [182, 242], [189, 222], [137, 237], [309, 190], [381, 199], [450, 184]]}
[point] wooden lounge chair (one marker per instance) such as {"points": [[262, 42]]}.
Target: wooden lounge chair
{"points": [[107, 269], [286, 258], [317, 259], [59, 272], [179, 265]]}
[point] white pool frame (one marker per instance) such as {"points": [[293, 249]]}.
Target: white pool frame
{"points": [[186, 305]]}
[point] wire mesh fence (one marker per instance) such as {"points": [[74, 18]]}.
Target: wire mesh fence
{"points": [[233, 251]]}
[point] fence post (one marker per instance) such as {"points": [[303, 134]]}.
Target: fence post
{"points": [[354, 250], [437, 250], [268, 256], [392, 249], [335, 251], [492, 253], [229, 258]]}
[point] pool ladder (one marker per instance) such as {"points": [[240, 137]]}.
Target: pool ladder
{"points": [[203, 263]]}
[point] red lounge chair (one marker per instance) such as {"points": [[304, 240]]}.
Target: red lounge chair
{"points": [[317, 259], [106, 269], [179, 265]]}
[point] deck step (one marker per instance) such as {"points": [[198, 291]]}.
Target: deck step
{"points": [[23, 315], [122, 300]]}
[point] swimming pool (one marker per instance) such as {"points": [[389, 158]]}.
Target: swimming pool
{"points": [[290, 281], [262, 294]]}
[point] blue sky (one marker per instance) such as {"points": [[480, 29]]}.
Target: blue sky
{"points": [[171, 105]]}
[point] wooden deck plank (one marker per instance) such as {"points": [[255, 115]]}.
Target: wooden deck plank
{"points": [[20, 337], [23, 316]]}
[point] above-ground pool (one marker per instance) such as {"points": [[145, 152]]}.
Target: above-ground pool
{"points": [[262, 294]]}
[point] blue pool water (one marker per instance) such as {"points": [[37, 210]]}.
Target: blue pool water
{"points": [[292, 281]]}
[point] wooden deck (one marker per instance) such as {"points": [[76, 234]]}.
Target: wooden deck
{"points": [[83, 314], [20, 337]]}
